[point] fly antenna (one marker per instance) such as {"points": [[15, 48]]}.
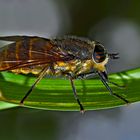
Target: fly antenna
{"points": [[113, 55]]}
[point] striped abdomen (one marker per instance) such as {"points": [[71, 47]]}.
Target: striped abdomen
{"points": [[25, 52]]}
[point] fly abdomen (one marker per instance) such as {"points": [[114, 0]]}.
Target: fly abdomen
{"points": [[8, 56], [22, 52]]}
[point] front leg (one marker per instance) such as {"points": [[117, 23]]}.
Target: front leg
{"points": [[104, 78]]}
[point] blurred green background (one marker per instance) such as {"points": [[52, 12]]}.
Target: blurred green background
{"points": [[114, 23]]}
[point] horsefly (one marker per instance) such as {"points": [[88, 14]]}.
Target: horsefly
{"points": [[71, 57]]}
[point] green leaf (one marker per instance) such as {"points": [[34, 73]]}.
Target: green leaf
{"points": [[5, 105], [56, 94]]}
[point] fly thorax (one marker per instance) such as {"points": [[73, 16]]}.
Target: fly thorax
{"points": [[85, 67], [66, 67]]}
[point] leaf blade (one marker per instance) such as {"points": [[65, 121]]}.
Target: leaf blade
{"points": [[56, 94]]}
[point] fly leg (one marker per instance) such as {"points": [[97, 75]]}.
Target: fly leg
{"points": [[104, 81], [117, 85], [86, 75], [75, 95], [41, 75], [104, 75]]}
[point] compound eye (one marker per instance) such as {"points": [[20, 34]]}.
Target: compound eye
{"points": [[99, 54]]}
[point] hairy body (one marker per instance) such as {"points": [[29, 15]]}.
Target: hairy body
{"points": [[65, 55], [69, 56]]}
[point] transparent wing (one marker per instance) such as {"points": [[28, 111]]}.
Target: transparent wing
{"points": [[29, 51]]}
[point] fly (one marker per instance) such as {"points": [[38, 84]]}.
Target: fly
{"points": [[71, 57]]}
